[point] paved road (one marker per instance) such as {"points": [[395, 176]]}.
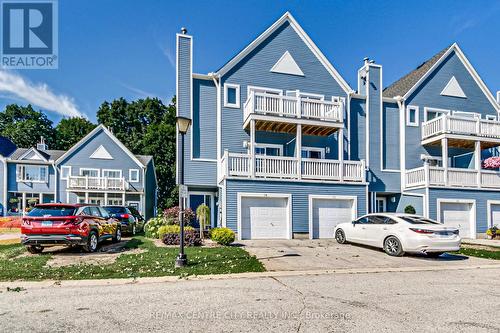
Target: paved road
{"points": [[441, 300]]}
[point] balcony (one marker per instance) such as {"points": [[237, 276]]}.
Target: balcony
{"points": [[278, 113], [451, 177], [461, 131], [281, 167], [96, 183]]}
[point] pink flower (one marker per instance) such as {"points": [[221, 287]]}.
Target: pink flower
{"points": [[491, 163]]}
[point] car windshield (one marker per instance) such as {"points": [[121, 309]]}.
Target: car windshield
{"points": [[418, 220], [52, 211], [115, 210]]}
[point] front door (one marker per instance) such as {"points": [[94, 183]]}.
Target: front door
{"points": [[381, 205]]}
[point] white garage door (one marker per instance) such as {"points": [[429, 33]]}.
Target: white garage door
{"points": [[264, 218], [495, 214], [458, 215], [327, 213]]}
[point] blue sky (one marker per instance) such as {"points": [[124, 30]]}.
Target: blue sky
{"points": [[111, 48]]}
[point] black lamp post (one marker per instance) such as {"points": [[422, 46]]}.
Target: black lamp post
{"points": [[183, 124]]}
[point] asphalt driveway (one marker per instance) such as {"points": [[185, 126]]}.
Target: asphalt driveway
{"points": [[305, 254]]}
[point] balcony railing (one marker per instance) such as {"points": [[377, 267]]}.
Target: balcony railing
{"points": [[281, 167], [293, 107], [461, 125], [454, 177], [96, 183]]}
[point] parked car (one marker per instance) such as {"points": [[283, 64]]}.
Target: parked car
{"points": [[400, 233], [131, 220], [66, 224]]}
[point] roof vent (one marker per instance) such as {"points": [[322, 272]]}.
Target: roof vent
{"points": [[184, 30], [42, 146], [366, 59]]}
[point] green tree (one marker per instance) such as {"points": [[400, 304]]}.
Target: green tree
{"points": [[71, 130], [24, 126], [147, 127]]}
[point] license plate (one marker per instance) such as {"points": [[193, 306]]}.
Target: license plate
{"points": [[46, 223]]}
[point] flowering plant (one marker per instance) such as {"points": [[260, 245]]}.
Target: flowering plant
{"points": [[172, 215], [492, 163]]}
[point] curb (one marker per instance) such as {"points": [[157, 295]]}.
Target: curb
{"points": [[271, 274]]}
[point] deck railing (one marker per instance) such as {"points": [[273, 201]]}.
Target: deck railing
{"points": [[454, 124], [453, 177], [294, 107], [96, 183], [282, 167]]}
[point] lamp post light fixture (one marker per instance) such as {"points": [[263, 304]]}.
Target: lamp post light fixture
{"points": [[183, 124]]}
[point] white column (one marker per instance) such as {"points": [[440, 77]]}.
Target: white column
{"points": [[87, 197], [23, 206], [298, 150], [40, 198], [105, 198], [477, 160], [444, 154], [252, 148], [341, 153], [123, 198]]}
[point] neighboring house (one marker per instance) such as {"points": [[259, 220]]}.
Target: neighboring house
{"points": [[281, 146], [99, 169]]}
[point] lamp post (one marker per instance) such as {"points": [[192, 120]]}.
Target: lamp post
{"points": [[183, 124]]}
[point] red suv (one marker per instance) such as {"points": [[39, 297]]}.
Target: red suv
{"points": [[66, 224]]}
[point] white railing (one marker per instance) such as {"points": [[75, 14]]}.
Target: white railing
{"points": [[453, 177], [295, 107], [96, 183], [282, 167], [461, 125]]}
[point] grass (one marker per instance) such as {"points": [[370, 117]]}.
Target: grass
{"points": [[480, 253], [154, 261]]}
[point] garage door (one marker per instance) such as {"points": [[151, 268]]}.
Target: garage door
{"points": [[495, 214], [327, 213], [458, 215], [264, 218]]}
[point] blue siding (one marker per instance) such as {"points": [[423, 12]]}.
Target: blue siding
{"points": [[300, 197], [204, 114], [390, 136], [358, 129], [14, 186], [416, 201]]}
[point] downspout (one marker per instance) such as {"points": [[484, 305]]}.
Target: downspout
{"points": [[55, 180], [4, 201], [216, 78]]}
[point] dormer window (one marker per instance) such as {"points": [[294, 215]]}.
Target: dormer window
{"points": [[231, 95]]}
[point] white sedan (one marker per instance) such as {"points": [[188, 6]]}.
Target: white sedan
{"points": [[400, 233]]}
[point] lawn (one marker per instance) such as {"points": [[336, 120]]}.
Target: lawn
{"points": [[154, 261], [480, 253]]}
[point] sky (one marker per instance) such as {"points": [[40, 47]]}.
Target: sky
{"points": [[124, 48]]}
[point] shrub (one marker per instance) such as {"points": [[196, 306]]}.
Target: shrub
{"points": [[493, 232], [172, 215], [152, 227], [410, 210], [191, 238], [171, 229], [223, 236]]}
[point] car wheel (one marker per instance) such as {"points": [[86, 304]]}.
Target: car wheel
{"points": [[434, 254], [34, 249], [340, 236], [92, 242], [118, 235], [393, 247]]}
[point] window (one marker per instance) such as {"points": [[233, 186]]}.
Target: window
{"points": [[48, 211], [32, 173], [268, 150], [109, 173], [94, 211], [133, 175], [231, 95], [312, 152], [65, 172], [412, 116], [89, 172], [431, 113]]}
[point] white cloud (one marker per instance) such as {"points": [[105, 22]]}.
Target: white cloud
{"points": [[37, 94], [168, 53]]}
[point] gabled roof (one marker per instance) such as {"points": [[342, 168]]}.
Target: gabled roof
{"points": [[48, 155], [108, 133], [405, 86], [7, 147], [287, 17]]}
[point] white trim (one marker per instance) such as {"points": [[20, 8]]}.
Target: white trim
{"points": [[354, 199], [22, 180], [101, 153], [305, 38], [453, 89], [112, 170], [308, 148], [475, 115], [491, 117], [238, 96], [26, 153], [251, 89], [287, 196], [199, 76], [65, 167], [431, 109], [488, 210], [286, 64], [459, 201], [110, 135], [130, 176], [367, 118], [269, 145], [212, 204], [410, 108], [80, 171]]}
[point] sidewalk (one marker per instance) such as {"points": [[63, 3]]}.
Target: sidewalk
{"points": [[483, 242]]}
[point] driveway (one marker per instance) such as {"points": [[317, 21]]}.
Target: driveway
{"points": [[305, 254]]}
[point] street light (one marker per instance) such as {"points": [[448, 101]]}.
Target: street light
{"points": [[183, 124]]}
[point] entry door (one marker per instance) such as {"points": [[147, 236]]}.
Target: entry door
{"points": [[264, 218], [458, 215], [381, 205]]}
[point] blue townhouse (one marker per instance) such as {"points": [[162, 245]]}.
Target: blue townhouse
{"points": [[99, 169], [282, 147]]}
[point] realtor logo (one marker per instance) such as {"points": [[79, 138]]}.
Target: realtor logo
{"points": [[29, 34]]}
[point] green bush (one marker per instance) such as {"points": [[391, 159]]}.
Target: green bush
{"points": [[410, 210], [152, 227], [493, 232], [223, 236], [171, 229]]}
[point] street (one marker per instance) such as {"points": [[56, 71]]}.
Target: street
{"points": [[441, 300]]}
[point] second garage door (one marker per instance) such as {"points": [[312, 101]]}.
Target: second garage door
{"points": [[327, 213], [494, 215], [458, 215], [264, 218]]}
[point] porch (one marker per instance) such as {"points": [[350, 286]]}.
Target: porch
{"points": [[451, 177]]}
